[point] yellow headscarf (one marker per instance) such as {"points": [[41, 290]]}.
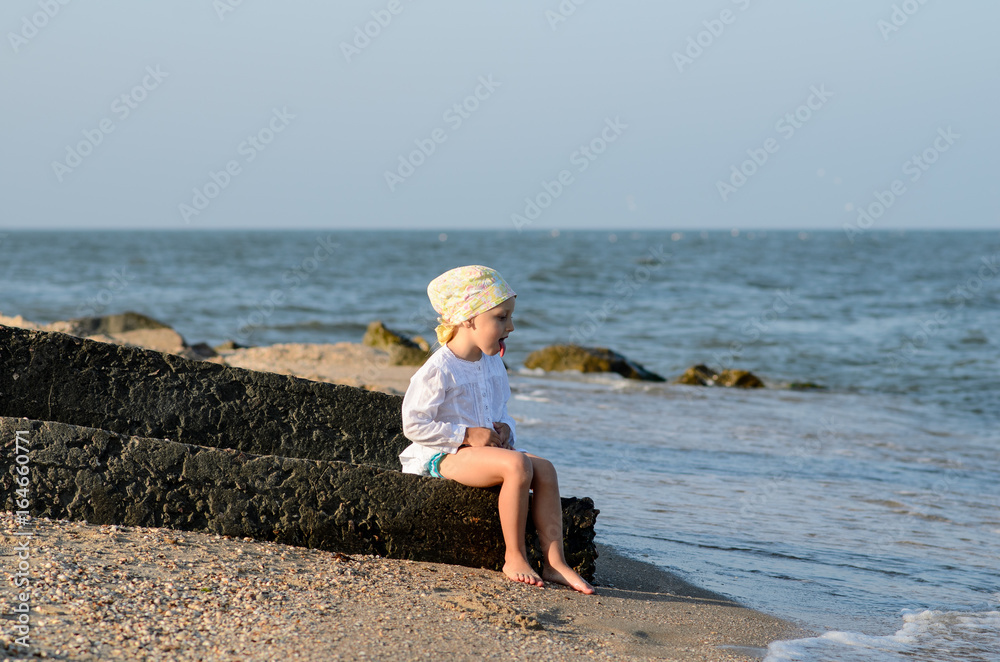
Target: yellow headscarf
{"points": [[462, 293]]}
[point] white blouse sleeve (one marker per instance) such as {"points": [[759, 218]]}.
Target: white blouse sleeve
{"points": [[420, 408]]}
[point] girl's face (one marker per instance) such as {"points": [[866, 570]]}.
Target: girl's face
{"points": [[489, 330]]}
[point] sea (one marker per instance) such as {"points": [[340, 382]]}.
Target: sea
{"points": [[857, 495]]}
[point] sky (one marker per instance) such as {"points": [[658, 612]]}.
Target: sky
{"points": [[579, 114]]}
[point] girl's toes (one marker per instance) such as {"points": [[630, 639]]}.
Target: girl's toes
{"points": [[532, 579], [524, 575], [568, 577]]}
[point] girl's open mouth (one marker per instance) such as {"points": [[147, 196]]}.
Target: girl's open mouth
{"points": [[503, 348]]}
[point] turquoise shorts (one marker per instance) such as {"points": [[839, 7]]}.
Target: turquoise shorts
{"points": [[434, 465]]}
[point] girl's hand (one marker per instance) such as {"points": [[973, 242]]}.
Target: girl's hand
{"points": [[482, 437], [503, 431]]}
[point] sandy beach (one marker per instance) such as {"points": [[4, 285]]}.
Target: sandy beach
{"points": [[114, 592], [352, 364], [131, 593]]}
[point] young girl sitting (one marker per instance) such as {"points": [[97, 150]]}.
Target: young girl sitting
{"points": [[455, 413]]}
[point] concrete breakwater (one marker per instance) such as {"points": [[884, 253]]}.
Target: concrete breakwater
{"points": [[130, 436]]}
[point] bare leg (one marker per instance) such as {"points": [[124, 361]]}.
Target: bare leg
{"points": [[547, 515], [488, 466]]}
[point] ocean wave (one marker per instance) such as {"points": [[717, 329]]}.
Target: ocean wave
{"points": [[926, 636]]}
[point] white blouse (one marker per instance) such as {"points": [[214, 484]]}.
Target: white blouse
{"points": [[446, 396]]}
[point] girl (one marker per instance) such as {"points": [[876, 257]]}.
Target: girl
{"points": [[455, 413]]}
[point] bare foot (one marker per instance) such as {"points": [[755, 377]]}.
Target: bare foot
{"points": [[520, 570], [568, 577]]}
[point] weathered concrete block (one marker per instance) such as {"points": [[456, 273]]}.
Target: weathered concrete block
{"points": [[132, 391], [106, 478]]}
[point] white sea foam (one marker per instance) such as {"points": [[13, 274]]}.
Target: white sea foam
{"points": [[926, 636]]}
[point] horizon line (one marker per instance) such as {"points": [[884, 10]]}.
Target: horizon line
{"points": [[445, 230]]}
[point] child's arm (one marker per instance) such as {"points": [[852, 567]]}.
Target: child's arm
{"points": [[420, 408]]}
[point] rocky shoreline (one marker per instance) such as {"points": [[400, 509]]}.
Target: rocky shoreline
{"points": [[382, 361], [244, 462]]}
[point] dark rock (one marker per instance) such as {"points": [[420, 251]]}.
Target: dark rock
{"points": [[700, 375], [110, 324], [739, 379], [201, 350], [402, 350], [588, 359], [106, 478], [130, 329], [228, 346], [804, 386], [132, 391]]}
